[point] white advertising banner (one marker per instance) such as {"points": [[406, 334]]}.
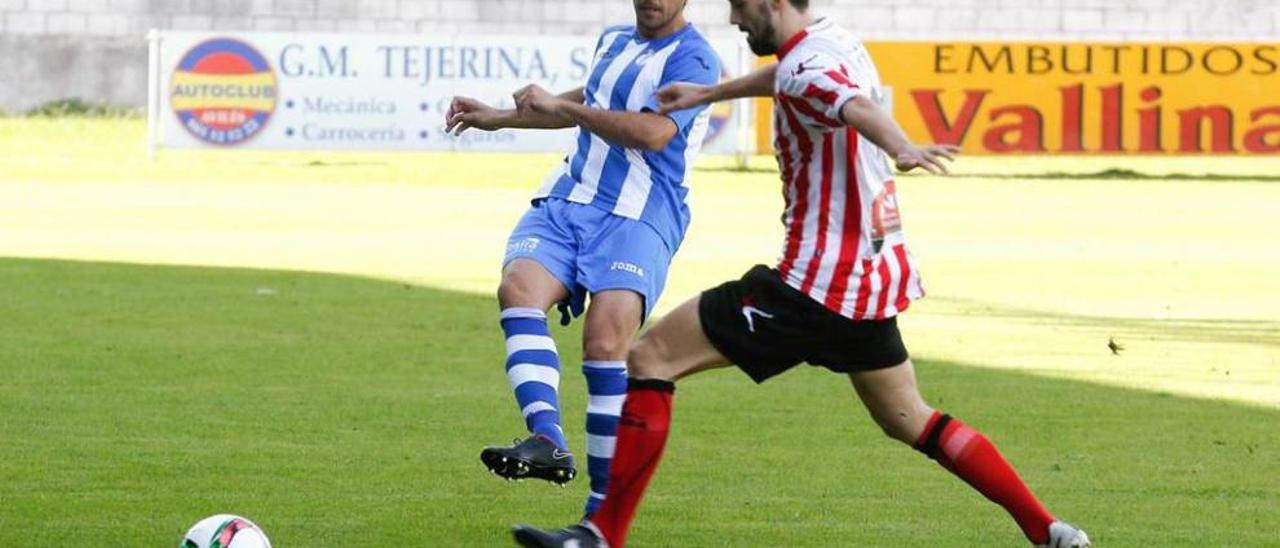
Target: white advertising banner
{"points": [[320, 91]]}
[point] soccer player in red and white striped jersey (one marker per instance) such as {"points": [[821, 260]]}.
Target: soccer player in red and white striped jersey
{"points": [[832, 300], [844, 245]]}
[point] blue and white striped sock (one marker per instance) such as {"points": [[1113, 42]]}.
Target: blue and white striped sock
{"points": [[533, 367], [607, 387]]}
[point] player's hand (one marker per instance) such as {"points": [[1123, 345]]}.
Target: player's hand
{"points": [[929, 158], [681, 96], [466, 113], [533, 99]]}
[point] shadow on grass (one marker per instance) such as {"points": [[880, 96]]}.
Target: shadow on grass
{"points": [[342, 411], [1255, 332]]}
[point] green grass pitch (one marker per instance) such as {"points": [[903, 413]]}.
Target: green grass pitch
{"points": [[309, 340]]}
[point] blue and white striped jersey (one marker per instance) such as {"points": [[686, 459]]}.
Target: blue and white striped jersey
{"points": [[649, 186]]}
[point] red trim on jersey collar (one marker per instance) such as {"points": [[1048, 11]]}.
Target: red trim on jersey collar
{"points": [[792, 42], [795, 40]]}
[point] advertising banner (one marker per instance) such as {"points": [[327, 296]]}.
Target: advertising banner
{"points": [[320, 91], [1079, 98]]}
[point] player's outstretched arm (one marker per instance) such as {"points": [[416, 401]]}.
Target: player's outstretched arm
{"points": [[876, 124], [466, 113], [682, 96], [635, 130]]}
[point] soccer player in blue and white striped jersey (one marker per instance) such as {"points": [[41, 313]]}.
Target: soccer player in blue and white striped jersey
{"points": [[605, 224]]}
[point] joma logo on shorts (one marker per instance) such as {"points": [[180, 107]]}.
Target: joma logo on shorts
{"points": [[526, 245], [627, 267]]}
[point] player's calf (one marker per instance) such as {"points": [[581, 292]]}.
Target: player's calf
{"points": [[904, 423], [893, 399]]}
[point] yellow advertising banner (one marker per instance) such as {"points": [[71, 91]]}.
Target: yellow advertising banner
{"points": [[1078, 98]]}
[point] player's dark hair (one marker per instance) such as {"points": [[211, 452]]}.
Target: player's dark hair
{"points": [[801, 5]]}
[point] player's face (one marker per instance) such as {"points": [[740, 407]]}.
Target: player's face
{"points": [[756, 19], [654, 16]]}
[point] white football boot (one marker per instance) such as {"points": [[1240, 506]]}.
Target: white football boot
{"points": [[1065, 535]]}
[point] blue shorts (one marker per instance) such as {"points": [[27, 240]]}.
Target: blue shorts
{"points": [[591, 250]]}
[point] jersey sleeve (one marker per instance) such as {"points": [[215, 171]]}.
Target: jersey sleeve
{"points": [[817, 88], [697, 64]]}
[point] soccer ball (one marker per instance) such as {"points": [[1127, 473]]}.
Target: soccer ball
{"points": [[225, 531]]}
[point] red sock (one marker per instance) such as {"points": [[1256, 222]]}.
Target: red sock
{"points": [[970, 455], [642, 435]]}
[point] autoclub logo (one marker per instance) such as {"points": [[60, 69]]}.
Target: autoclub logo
{"points": [[224, 91]]}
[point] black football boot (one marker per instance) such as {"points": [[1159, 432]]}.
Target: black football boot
{"points": [[535, 457], [583, 535]]}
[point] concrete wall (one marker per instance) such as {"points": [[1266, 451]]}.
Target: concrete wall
{"points": [[95, 48]]}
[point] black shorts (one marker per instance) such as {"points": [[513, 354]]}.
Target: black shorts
{"points": [[766, 327]]}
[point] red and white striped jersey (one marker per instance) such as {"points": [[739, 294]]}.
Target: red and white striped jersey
{"points": [[844, 245]]}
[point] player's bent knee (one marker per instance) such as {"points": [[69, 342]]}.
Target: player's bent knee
{"points": [[516, 290], [504, 294], [605, 347], [510, 291], [509, 297]]}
